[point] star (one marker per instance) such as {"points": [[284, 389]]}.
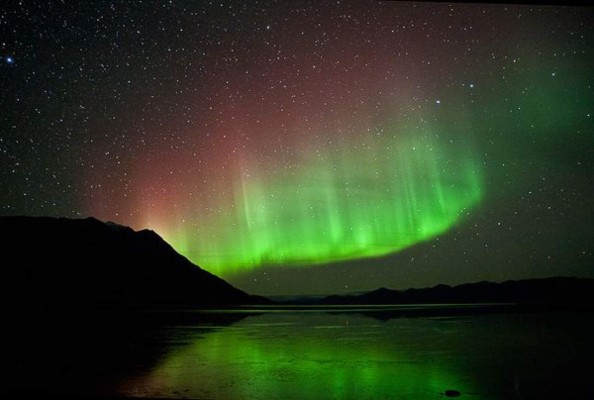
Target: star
{"points": [[9, 60]]}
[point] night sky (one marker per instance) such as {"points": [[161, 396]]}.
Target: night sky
{"points": [[303, 147]]}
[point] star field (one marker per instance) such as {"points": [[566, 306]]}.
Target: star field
{"points": [[307, 146]]}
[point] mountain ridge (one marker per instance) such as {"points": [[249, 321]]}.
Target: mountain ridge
{"points": [[69, 262], [546, 291]]}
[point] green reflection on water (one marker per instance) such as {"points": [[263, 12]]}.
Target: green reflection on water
{"points": [[321, 356]]}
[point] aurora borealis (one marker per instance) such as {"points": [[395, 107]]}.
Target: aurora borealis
{"points": [[368, 200], [297, 147]]}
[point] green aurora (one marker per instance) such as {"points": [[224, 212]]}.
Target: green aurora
{"points": [[403, 182], [379, 195]]}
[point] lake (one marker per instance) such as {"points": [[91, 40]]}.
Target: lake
{"points": [[350, 353], [412, 352]]}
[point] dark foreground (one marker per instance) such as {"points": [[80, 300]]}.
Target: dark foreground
{"points": [[371, 352]]}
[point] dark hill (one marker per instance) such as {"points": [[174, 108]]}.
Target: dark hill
{"points": [[547, 291], [83, 262]]}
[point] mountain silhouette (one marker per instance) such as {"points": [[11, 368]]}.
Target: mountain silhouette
{"points": [[74, 263], [545, 291]]}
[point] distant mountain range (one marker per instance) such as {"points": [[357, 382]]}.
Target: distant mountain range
{"points": [[85, 262], [547, 291]]}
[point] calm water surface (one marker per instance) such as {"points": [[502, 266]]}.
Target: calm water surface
{"points": [[360, 354]]}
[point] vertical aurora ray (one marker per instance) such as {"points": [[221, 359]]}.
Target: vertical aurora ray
{"points": [[362, 198]]}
